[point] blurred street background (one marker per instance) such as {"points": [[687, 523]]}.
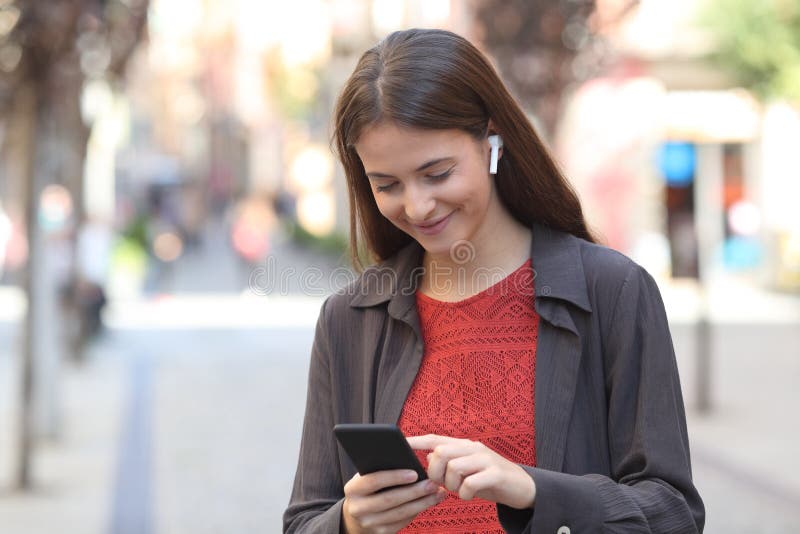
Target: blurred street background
{"points": [[172, 218]]}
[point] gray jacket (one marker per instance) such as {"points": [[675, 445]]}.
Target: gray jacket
{"points": [[611, 441]]}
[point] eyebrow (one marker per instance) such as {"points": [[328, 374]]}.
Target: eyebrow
{"points": [[421, 168]]}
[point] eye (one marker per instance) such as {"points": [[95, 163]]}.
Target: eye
{"points": [[385, 187], [443, 175]]}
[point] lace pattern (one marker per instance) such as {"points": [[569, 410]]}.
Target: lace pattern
{"points": [[476, 381]]}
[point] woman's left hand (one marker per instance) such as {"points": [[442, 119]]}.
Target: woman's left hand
{"points": [[472, 469]]}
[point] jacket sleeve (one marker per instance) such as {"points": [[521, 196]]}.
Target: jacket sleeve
{"points": [[317, 496], [650, 488]]}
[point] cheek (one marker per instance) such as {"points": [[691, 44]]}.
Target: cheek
{"points": [[485, 188], [472, 193], [386, 206]]}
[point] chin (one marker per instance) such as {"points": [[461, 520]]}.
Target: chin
{"points": [[438, 247]]}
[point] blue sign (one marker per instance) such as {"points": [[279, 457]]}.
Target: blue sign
{"points": [[677, 161]]}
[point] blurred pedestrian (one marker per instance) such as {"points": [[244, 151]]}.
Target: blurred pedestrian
{"points": [[531, 368], [92, 263], [251, 226]]}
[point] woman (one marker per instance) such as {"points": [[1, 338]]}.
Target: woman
{"points": [[532, 369]]}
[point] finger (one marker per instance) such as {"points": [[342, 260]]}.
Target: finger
{"points": [[363, 506], [404, 513], [443, 454], [481, 481], [427, 442], [369, 484], [452, 479], [460, 468]]}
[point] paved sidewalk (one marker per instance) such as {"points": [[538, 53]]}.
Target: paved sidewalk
{"points": [[744, 452], [221, 410], [73, 474]]}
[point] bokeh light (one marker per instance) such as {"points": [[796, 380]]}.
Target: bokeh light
{"points": [[167, 246]]}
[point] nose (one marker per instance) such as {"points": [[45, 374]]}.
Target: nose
{"points": [[419, 204]]}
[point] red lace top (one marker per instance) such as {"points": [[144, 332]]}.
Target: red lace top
{"points": [[476, 381]]}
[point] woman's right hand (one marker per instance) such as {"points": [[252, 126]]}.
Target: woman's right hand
{"points": [[366, 511]]}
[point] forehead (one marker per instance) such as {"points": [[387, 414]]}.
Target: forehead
{"points": [[387, 144]]}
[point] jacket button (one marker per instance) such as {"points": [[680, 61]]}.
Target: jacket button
{"points": [[563, 530]]}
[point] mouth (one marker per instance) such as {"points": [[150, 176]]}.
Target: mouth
{"points": [[432, 227]]}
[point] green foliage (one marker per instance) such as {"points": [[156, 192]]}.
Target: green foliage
{"points": [[759, 42], [334, 244], [136, 232]]}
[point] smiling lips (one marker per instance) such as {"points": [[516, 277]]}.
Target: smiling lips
{"points": [[433, 227]]}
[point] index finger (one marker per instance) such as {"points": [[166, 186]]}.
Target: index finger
{"points": [[428, 441]]}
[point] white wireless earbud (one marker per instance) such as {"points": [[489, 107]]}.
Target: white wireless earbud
{"points": [[495, 141]]}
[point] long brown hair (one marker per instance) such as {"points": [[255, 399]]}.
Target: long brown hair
{"points": [[435, 79]]}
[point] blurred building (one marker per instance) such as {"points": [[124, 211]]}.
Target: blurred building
{"points": [[676, 165], [238, 96]]}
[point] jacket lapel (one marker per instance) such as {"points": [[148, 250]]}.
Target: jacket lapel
{"points": [[400, 352], [402, 357], [559, 284], [558, 354], [404, 350]]}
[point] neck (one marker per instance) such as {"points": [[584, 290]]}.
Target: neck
{"points": [[471, 267]]}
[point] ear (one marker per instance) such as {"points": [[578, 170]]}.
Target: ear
{"points": [[496, 145], [492, 130]]}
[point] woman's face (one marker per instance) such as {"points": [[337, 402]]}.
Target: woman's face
{"points": [[432, 184]]}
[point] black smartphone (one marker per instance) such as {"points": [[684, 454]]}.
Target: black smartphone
{"points": [[376, 447]]}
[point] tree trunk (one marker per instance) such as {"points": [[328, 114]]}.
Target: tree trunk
{"points": [[39, 415]]}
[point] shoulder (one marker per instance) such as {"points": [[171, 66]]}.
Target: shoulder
{"points": [[605, 265], [366, 290], [612, 277], [585, 274]]}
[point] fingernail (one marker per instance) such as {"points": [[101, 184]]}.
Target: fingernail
{"points": [[411, 476], [431, 486]]}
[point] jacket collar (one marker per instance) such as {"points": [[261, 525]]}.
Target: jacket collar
{"points": [[394, 280], [557, 267]]}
